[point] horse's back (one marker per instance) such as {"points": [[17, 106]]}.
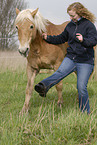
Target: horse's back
{"points": [[53, 29]]}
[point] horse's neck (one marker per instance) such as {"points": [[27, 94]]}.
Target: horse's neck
{"points": [[35, 44], [53, 29], [37, 39], [50, 28]]}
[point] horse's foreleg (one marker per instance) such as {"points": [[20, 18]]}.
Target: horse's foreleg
{"points": [[31, 76], [59, 87]]}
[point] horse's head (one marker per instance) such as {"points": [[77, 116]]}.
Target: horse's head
{"points": [[27, 24]]}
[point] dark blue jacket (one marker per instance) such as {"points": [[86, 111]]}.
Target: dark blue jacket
{"points": [[81, 52]]}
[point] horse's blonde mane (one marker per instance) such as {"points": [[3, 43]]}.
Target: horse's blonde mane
{"points": [[38, 20]]}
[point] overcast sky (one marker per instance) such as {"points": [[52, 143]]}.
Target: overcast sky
{"points": [[56, 10]]}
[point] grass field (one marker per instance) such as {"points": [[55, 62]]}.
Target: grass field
{"points": [[45, 123]]}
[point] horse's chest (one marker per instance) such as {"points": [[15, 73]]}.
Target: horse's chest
{"points": [[45, 63]]}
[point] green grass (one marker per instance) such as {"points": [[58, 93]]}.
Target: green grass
{"points": [[45, 123]]}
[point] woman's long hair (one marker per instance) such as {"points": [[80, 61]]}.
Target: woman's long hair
{"points": [[82, 11]]}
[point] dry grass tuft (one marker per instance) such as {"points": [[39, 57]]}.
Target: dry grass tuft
{"points": [[12, 60]]}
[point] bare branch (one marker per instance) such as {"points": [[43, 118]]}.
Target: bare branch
{"points": [[7, 18]]}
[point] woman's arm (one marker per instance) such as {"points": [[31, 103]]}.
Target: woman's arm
{"points": [[58, 39], [91, 37]]}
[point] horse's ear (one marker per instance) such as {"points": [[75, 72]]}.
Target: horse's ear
{"points": [[17, 11], [34, 12]]}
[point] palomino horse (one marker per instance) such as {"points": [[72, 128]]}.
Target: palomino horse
{"points": [[40, 55]]}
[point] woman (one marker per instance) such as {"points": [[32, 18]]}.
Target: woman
{"points": [[82, 37]]}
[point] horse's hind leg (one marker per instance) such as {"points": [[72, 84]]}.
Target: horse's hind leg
{"points": [[31, 73], [59, 87]]}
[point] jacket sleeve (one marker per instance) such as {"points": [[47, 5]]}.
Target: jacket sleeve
{"points": [[91, 36], [58, 39]]}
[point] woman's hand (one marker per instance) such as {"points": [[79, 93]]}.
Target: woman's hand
{"points": [[79, 37], [44, 36]]}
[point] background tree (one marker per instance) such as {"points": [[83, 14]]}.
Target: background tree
{"points": [[7, 18]]}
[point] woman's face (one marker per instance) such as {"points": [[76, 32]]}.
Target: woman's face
{"points": [[73, 16]]}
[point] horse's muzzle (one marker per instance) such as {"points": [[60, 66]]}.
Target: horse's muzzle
{"points": [[25, 54]]}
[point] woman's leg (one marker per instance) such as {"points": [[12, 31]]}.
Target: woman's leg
{"points": [[66, 67], [83, 73]]}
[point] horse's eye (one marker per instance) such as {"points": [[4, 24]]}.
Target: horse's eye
{"points": [[31, 26], [16, 27]]}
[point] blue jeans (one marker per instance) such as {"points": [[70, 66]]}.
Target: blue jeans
{"points": [[83, 73]]}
